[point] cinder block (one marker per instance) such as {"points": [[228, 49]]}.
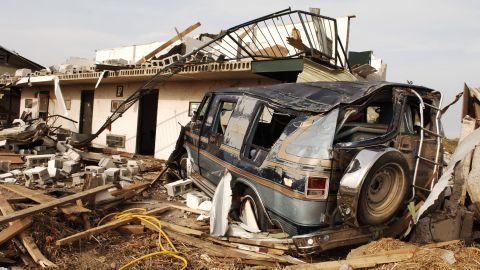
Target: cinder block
{"points": [[37, 160], [5, 165], [77, 179], [111, 175], [178, 187], [195, 198], [10, 180], [119, 159], [37, 175], [62, 146], [3, 176], [133, 170], [107, 163], [94, 169], [139, 163], [125, 172], [73, 155], [71, 166], [55, 163], [16, 172]]}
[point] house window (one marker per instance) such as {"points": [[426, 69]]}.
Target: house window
{"points": [[119, 92], [192, 107], [116, 104], [68, 103], [28, 103]]}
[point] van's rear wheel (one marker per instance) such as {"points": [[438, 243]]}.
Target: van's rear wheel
{"points": [[250, 200], [384, 190]]}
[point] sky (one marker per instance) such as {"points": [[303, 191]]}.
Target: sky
{"points": [[432, 43]]}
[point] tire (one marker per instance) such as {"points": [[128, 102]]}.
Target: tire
{"points": [[182, 166], [262, 218], [384, 190]]}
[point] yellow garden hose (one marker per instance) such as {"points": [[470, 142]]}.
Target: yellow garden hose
{"points": [[138, 213]]}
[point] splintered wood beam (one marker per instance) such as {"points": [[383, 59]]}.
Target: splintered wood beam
{"points": [[367, 261], [39, 197], [14, 228], [49, 205], [106, 227], [168, 43], [27, 241]]}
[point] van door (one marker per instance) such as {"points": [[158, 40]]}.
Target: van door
{"points": [[193, 130], [212, 134]]}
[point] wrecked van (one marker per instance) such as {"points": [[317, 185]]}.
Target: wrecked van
{"points": [[330, 163]]}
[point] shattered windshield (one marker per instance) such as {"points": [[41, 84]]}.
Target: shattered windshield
{"points": [[316, 140]]}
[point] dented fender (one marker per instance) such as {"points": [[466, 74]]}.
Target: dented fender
{"points": [[353, 179]]}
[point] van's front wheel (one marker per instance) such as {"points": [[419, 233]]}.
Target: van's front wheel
{"points": [[182, 166]]}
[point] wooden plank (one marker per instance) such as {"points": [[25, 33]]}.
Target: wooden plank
{"points": [[168, 43], [40, 197], [131, 229], [49, 205], [27, 241], [176, 228], [188, 209], [258, 242], [14, 228], [135, 186], [362, 261], [106, 227]]}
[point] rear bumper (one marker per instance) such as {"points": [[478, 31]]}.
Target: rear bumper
{"points": [[316, 242]]}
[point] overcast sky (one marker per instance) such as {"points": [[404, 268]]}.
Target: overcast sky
{"points": [[432, 43]]}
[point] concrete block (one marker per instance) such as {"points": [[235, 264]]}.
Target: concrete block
{"points": [[119, 159], [71, 166], [125, 183], [55, 163], [37, 160], [3, 176], [178, 187], [62, 146], [125, 172], [16, 172], [73, 155], [112, 175], [107, 163], [125, 179], [195, 198], [37, 175], [138, 163], [94, 169], [5, 165], [77, 179], [53, 172], [133, 170], [10, 180]]}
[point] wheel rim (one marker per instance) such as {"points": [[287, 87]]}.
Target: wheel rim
{"points": [[384, 189]]}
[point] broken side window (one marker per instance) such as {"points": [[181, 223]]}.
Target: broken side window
{"points": [[223, 116], [264, 132], [367, 121], [316, 140], [202, 111]]}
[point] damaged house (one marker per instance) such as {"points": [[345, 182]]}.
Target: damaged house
{"points": [[285, 47]]}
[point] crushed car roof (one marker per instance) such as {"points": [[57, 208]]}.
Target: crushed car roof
{"points": [[317, 96]]}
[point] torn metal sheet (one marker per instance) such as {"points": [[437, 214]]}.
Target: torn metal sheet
{"points": [[465, 147], [100, 78], [221, 203]]}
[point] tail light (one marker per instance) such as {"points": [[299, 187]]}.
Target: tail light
{"points": [[316, 187]]}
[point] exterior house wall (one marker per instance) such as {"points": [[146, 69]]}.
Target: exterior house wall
{"points": [[172, 109]]}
